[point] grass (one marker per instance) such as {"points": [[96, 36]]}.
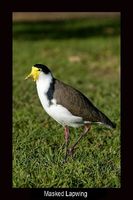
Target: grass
{"points": [[84, 53]]}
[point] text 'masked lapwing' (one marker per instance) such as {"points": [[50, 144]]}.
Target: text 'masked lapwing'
{"points": [[68, 106]]}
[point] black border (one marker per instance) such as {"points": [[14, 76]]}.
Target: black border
{"points": [[6, 99], [67, 5], [6, 95]]}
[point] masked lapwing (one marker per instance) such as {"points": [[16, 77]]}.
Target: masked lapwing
{"points": [[66, 105]]}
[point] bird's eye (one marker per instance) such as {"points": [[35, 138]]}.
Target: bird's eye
{"points": [[39, 69]]}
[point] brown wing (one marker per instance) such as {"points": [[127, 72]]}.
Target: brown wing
{"points": [[76, 102]]}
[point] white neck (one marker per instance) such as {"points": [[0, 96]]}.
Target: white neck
{"points": [[44, 81]]}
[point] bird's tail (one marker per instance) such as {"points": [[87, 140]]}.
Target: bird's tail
{"points": [[106, 121], [110, 124]]}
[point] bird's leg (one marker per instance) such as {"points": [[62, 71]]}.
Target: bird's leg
{"points": [[66, 132], [86, 129]]}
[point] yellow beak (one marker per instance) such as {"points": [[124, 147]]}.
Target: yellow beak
{"points": [[34, 73]]}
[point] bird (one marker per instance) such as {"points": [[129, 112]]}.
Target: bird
{"points": [[66, 105]]}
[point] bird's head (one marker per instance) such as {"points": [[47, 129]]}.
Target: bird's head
{"points": [[36, 70]]}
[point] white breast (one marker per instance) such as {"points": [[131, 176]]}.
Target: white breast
{"points": [[57, 112]]}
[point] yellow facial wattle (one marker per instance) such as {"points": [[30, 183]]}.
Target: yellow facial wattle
{"points": [[34, 73]]}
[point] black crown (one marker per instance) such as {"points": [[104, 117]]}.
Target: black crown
{"points": [[43, 67]]}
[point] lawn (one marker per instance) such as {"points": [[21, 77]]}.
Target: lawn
{"points": [[84, 53]]}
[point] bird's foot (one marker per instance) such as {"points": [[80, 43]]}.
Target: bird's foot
{"points": [[65, 160], [71, 151]]}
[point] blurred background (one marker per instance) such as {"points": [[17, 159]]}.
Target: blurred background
{"points": [[83, 50]]}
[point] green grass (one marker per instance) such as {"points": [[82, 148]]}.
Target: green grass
{"points": [[85, 54]]}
